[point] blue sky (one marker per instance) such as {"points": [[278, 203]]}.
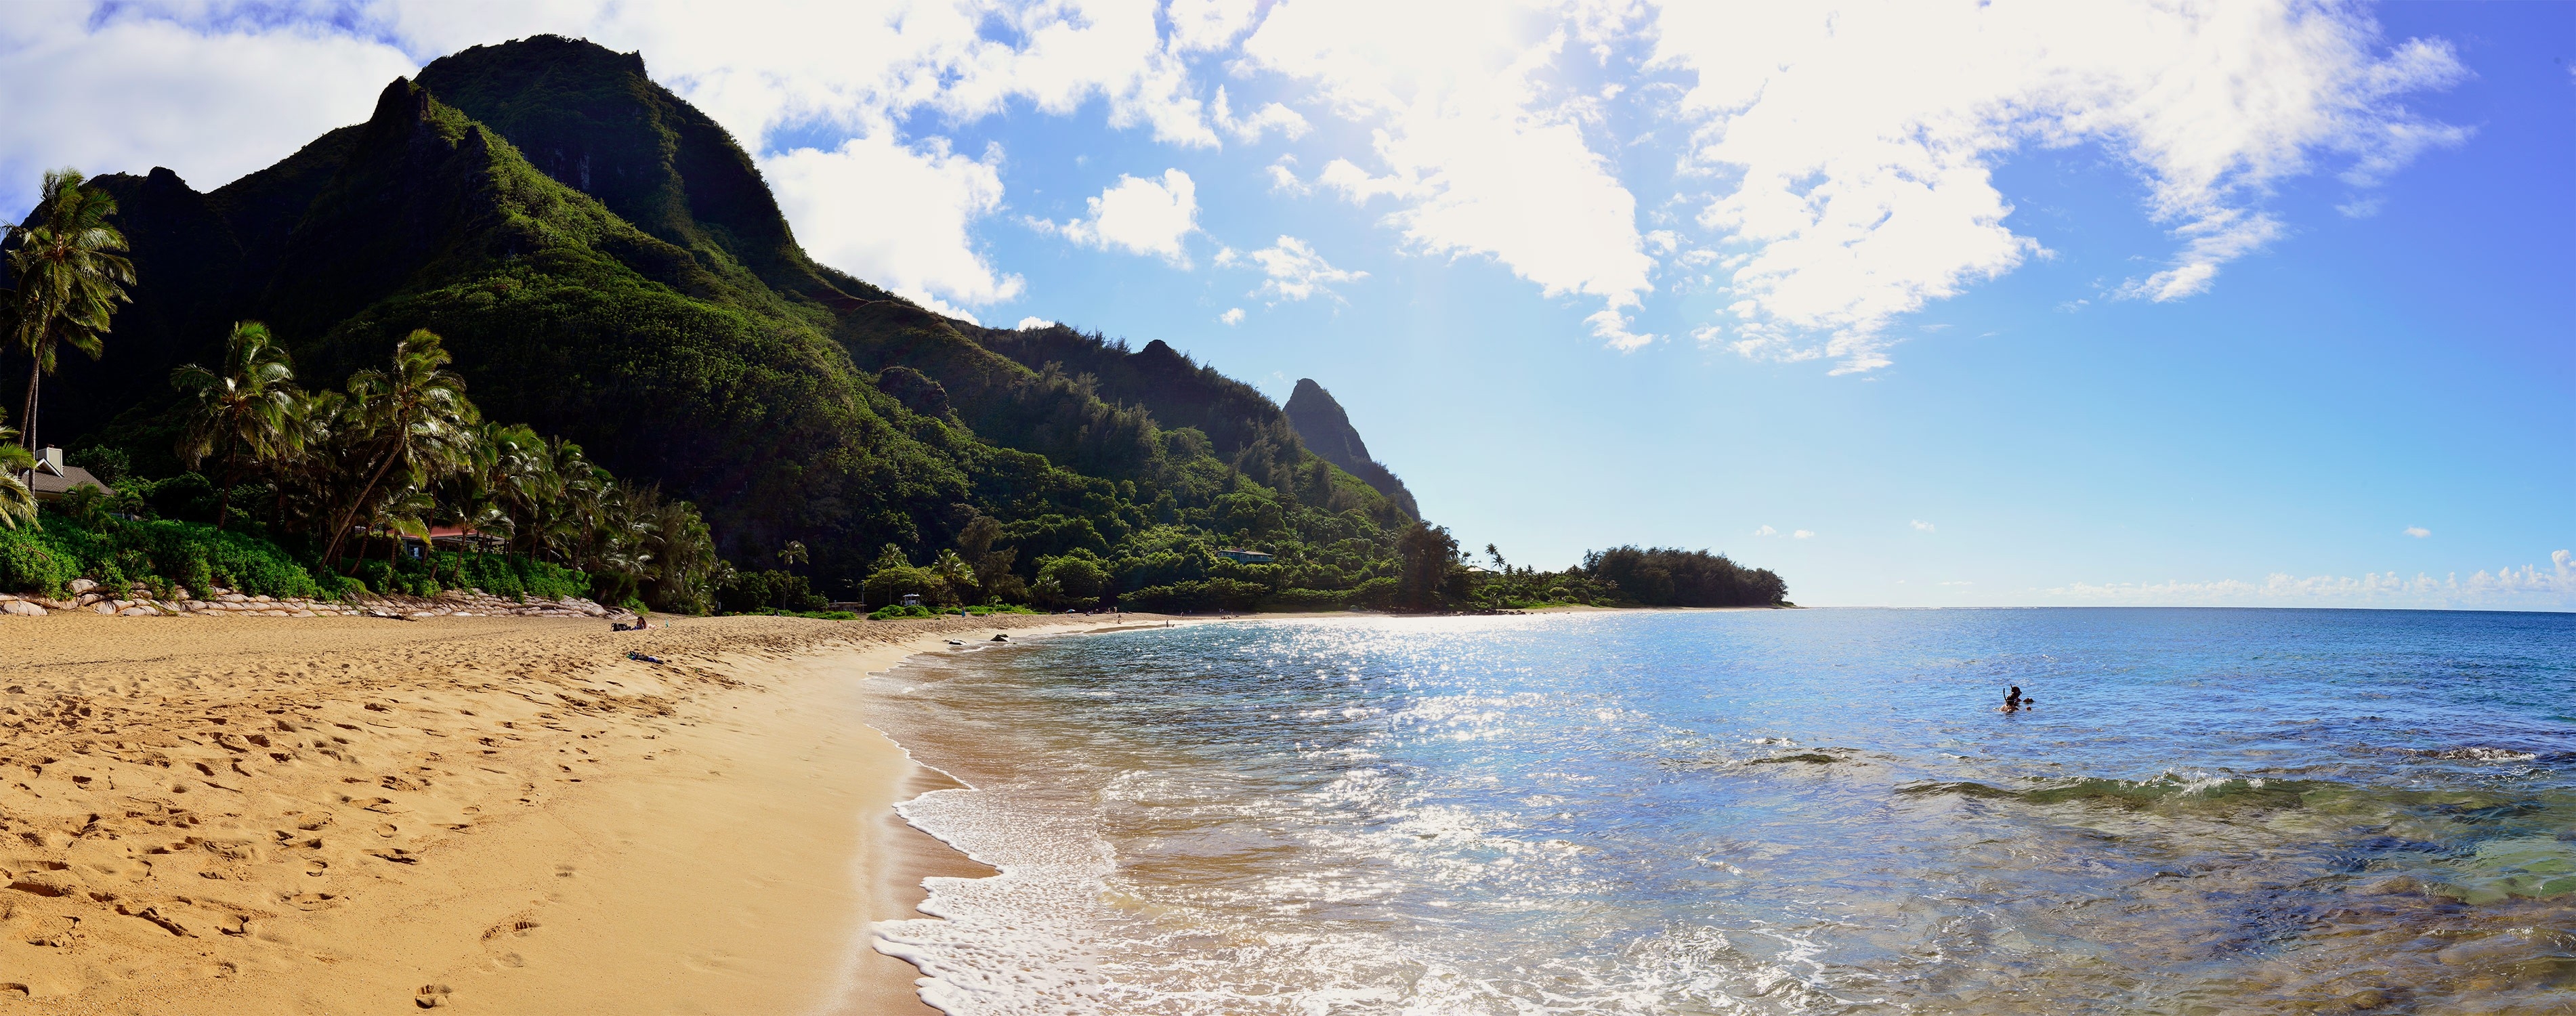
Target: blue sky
{"points": [[1996, 304]]}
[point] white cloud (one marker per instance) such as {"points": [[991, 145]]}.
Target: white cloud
{"points": [[120, 93], [1207, 25], [1283, 180], [921, 246], [1272, 117], [2418, 532], [2529, 586], [1232, 316], [1611, 327], [1481, 156], [1854, 144], [1027, 323], [1803, 534], [1921, 526], [1295, 271], [1140, 216], [1766, 531]]}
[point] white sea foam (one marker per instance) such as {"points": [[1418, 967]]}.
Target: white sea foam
{"points": [[2478, 755]]}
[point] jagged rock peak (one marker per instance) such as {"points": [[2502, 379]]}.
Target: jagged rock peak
{"points": [[1326, 429]]}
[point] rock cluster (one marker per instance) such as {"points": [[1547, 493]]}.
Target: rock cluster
{"points": [[88, 596]]}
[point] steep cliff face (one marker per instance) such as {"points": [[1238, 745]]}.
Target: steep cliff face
{"points": [[593, 121], [1327, 432]]}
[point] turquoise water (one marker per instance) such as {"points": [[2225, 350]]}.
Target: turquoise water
{"points": [[1772, 811]]}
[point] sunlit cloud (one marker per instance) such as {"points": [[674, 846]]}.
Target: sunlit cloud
{"points": [[1852, 145], [1139, 216], [1295, 271]]}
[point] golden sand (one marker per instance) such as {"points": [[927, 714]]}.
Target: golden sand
{"points": [[507, 815]]}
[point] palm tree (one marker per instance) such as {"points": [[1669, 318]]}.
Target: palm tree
{"points": [[17, 503], [684, 553], [789, 557], [416, 417], [249, 408], [305, 475], [568, 508], [70, 278]]}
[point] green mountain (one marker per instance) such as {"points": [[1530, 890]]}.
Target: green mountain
{"points": [[1326, 429], [607, 265]]}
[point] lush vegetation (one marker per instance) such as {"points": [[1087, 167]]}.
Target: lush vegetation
{"points": [[541, 225], [86, 538]]}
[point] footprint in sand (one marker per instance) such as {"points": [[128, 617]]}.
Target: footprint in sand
{"points": [[431, 996], [309, 902], [386, 829]]}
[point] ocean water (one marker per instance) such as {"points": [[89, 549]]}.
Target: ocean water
{"points": [[1756, 812]]}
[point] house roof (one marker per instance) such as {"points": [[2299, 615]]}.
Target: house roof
{"points": [[49, 486]]}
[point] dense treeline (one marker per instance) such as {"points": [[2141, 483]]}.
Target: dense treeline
{"points": [[1671, 577], [1435, 575]]}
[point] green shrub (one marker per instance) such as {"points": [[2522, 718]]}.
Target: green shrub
{"points": [[30, 564], [1204, 594], [1307, 599], [163, 554], [1376, 594]]}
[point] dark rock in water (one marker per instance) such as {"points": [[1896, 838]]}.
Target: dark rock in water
{"points": [[1327, 431]]}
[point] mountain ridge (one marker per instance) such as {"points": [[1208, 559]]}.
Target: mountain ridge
{"points": [[708, 355]]}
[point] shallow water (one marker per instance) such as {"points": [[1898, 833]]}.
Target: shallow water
{"points": [[1775, 811]]}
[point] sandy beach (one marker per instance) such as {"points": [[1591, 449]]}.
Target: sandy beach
{"points": [[474, 814]]}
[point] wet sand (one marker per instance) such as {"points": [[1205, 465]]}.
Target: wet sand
{"points": [[354, 815]]}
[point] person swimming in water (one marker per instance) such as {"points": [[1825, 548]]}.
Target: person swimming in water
{"points": [[2013, 700]]}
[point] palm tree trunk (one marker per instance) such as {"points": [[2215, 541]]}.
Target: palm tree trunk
{"points": [[27, 432], [224, 497], [340, 533]]}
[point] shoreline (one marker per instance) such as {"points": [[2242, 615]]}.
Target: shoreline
{"points": [[476, 814]]}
